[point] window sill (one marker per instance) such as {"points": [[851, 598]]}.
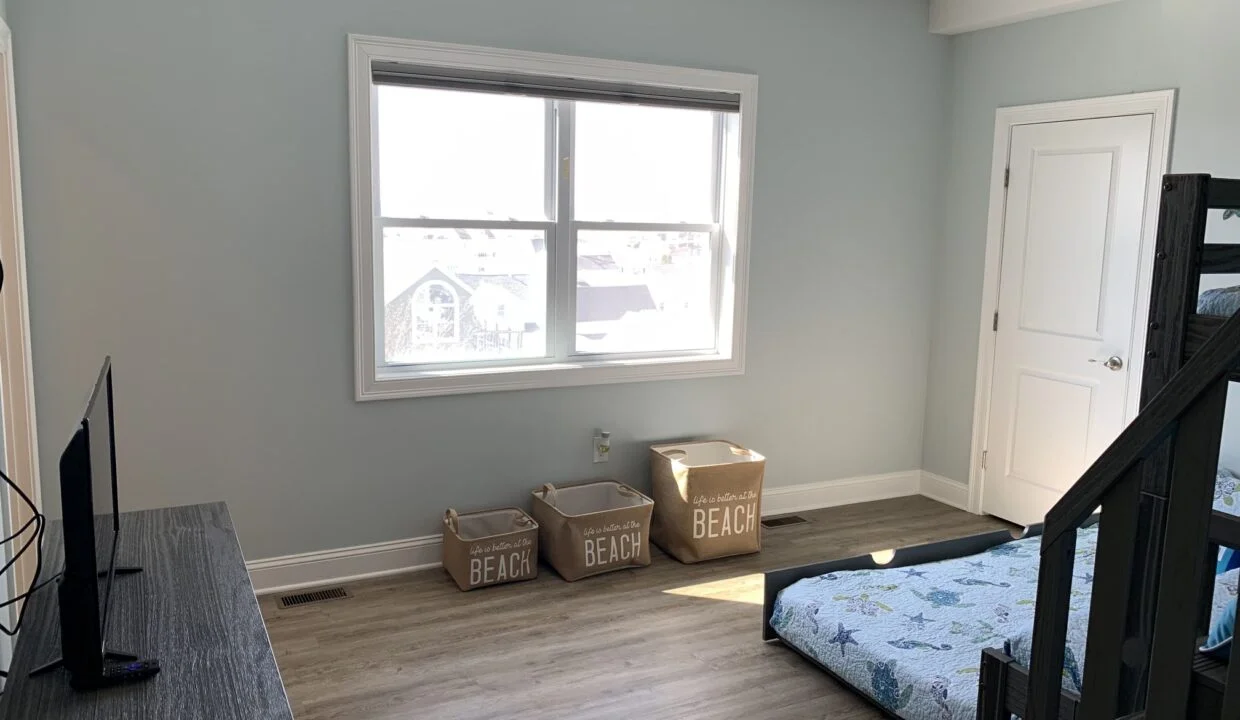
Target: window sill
{"points": [[390, 385]]}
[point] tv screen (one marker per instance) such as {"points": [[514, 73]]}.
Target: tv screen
{"points": [[91, 528], [101, 446]]}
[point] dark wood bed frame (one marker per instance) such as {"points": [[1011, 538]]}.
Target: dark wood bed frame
{"points": [[1158, 536]]}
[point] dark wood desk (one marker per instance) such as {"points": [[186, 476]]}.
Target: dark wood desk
{"points": [[192, 608]]}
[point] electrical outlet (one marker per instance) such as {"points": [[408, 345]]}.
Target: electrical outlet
{"points": [[602, 447]]}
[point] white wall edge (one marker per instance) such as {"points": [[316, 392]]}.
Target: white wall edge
{"points": [[363, 562], [20, 449], [944, 490], [951, 17]]}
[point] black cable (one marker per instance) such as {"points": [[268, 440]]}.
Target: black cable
{"points": [[35, 585], [40, 522], [38, 536], [10, 538], [26, 498], [21, 615], [33, 589]]}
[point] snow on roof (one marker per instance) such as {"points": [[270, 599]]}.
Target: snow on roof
{"points": [[596, 262], [611, 302], [516, 285]]}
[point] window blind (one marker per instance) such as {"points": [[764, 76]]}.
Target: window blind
{"points": [[558, 88]]}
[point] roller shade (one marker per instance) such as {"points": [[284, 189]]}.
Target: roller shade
{"points": [[558, 88]]}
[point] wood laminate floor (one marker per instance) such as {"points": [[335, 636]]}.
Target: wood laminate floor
{"points": [[667, 641]]}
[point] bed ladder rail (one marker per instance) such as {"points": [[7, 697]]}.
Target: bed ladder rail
{"points": [[1220, 259], [1197, 330], [1155, 484]]}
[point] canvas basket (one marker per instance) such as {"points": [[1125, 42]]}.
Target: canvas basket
{"points": [[490, 547], [593, 528], [707, 500]]}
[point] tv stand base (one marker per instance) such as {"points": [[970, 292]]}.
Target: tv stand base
{"points": [[122, 570]]}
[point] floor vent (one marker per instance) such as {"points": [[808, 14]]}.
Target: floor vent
{"points": [[782, 521], [316, 596]]}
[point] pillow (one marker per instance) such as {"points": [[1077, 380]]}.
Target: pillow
{"points": [[1222, 302], [1228, 559], [1218, 644]]}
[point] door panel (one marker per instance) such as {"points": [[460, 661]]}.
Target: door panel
{"points": [[1050, 428], [1067, 293], [1069, 208]]}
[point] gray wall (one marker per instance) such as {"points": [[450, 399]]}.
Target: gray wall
{"points": [[186, 187], [1132, 46]]}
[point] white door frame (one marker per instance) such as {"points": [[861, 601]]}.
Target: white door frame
{"points": [[21, 448], [1161, 105]]}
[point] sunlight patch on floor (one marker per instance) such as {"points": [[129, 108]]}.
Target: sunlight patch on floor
{"points": [[744, 589]]}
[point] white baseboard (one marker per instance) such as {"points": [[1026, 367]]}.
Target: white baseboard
{"points": [[328, 567], [831, 493], [948, 492]]}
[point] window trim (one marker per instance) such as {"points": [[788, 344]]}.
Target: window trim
{"points": [[374, 383]]}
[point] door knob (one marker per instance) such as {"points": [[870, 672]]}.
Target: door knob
{"points": [[1114, 363]]}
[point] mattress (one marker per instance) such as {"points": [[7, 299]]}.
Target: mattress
{"points": [[911, 638]]}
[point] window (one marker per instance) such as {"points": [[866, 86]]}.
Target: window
{"points": [[526, 220]]}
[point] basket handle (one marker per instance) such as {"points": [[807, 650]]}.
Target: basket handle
{"points": [[549, 493], [452, 520], [740, 450]]}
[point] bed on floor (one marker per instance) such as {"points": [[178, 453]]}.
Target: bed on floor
{"points": [[908, 635]]}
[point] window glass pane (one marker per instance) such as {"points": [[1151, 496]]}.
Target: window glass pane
{"points": [[643, 292], [643, 164], [459, 294], [461, 155]]}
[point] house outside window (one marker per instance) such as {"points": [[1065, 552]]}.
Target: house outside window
{"points": [[525, 220], [435, 319]]}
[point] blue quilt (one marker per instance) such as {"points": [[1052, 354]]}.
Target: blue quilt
{"points": [[911, 638]]}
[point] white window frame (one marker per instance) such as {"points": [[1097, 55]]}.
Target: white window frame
{"points": [[569, 367]]}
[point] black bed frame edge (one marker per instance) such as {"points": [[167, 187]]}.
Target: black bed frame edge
{"points": [[1002, 690]]}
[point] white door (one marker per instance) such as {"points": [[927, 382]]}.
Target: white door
{"points": [[1066, 315]]}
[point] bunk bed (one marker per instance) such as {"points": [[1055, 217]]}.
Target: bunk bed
{"points": [[1090, 616]]}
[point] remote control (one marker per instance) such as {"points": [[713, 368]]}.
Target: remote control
{"points": [[115, 673]]}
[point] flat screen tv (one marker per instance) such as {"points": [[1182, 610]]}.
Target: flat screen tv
{"points": [[92, 528]]}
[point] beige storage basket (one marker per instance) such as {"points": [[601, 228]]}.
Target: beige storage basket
{"points": [[707, 499], [490, 547], [593, 527]]}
